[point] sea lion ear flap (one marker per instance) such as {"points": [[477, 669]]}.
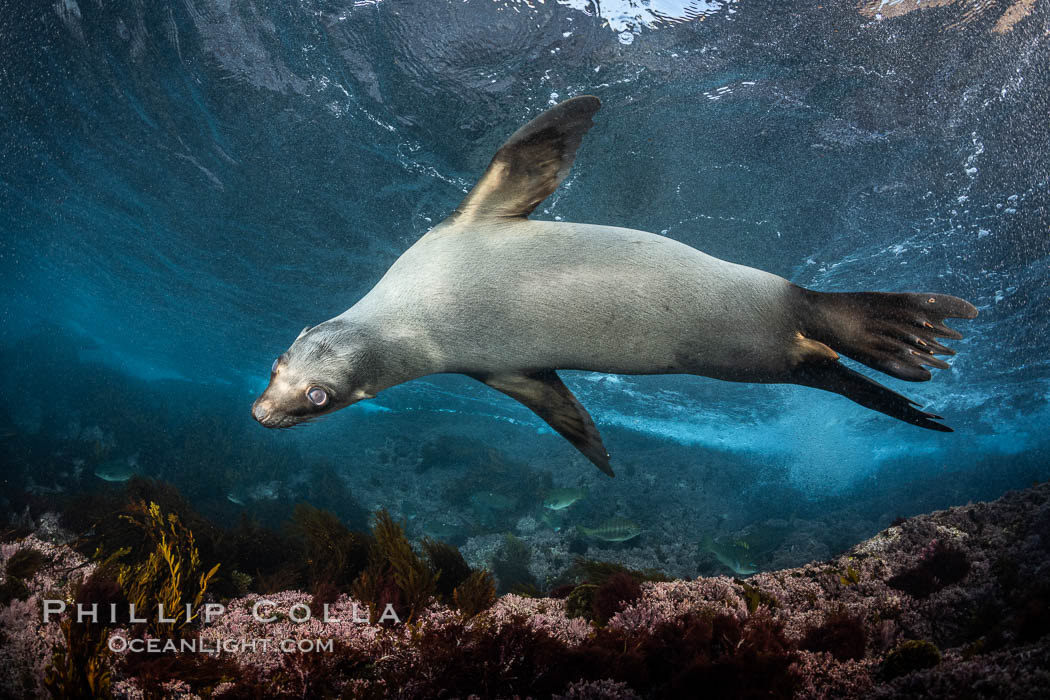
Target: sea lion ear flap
{"points": [[532, 163], [303, 332]]}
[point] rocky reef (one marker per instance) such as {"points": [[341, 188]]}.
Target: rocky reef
{"points": [[951, 604]]}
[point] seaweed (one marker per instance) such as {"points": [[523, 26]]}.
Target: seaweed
{"points": [[984, 626], [325, 593], [1032, 619], [597, 572], [377, 589], [395, 574], [511, 564], [107, 521], [171, 575], [25, 563], [851, 577], [940, 565], [580, 603], [725, 656], [198, 671], [256, 551], [13, 589], [527, 590], [754, 596], [561, 591], [240, 582], [488, 661], [842, 635], [103, 589], [334, 554], [95, 517], [283, 579], [170, 500], [475, 594], [452, 569], [614, 594], [79, 666], [912, 655], [1007, 572]]}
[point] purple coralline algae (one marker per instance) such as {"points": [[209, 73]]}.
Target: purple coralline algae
{"points": [[950, 604]]}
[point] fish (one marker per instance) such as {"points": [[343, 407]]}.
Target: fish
{"points": [[443, 526], [559, 499], [118, 470], [735, 555], [554, 519], [492, 500], [613, 530], [266, 491], [442, 530]]}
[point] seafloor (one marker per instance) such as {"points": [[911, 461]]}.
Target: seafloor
{"points": [[954, 604]]}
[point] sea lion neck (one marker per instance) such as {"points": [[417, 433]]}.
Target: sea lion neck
{"points": [[386, 358]]}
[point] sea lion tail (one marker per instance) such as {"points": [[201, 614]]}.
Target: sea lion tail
{"points": [[893, 333]]}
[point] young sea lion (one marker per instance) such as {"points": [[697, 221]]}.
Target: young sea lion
{"points": [[506, 300]]}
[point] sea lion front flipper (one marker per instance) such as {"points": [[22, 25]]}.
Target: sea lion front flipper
{"points": [[532, 162], [551, 400]]}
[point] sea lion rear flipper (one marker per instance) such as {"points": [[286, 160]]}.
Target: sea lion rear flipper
{"points": [[545, 394], [532, 162], [836, 377], [895, 333]]}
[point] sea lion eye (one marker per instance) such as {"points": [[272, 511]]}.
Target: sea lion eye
{"points": [[273, 368], [317, 396]]}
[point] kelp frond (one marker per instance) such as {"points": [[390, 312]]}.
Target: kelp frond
{"points": [[171, 575]]}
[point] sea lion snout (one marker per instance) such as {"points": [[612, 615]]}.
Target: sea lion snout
{"points": [[271, 415], [261, 410]]}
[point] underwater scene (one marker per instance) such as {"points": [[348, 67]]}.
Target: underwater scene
{"points": [[760, 291]]}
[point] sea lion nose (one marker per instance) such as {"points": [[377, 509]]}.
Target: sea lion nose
{"points": [[260, 410]]}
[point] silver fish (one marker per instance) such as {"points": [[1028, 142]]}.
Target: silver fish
{"points": [[613, 530], [559, 499], [118, 470], [735, 556]]}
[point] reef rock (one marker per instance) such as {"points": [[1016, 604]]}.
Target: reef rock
{"points": [[951, 604]]}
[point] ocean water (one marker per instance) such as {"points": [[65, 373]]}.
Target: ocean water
{"points": [[185, 185]]}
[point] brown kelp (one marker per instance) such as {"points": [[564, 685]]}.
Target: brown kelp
{"points": [[475, 594], [170, 577], [511, 565], [80, 664], [451, 568], [395, 575], [79, 668], [334, 554]]}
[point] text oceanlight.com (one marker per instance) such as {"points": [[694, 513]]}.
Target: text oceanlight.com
{"points": [[120, 645]]}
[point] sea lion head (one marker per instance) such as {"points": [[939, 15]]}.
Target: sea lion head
{"points": [[324, 370]]}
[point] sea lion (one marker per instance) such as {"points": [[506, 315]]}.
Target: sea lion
{"points": [[508, 301]]}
